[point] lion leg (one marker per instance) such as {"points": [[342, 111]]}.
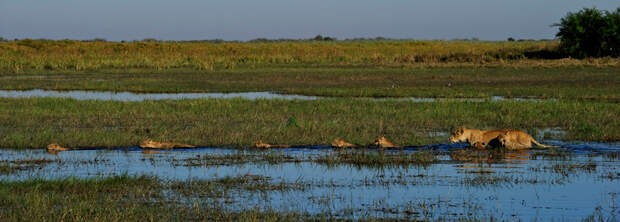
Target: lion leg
{"points": [[477, 145]]}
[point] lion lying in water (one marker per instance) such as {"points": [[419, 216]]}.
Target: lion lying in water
{"points": [[511, 139], [260, 144], [340, 143], [162, 145], [383, 142], [56, 147]]}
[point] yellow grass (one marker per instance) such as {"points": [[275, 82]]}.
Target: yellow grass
{"points": [[68, 55]]}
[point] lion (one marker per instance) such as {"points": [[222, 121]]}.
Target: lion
{"points": [[340, 143], [56, 147], [383, 142], [260, 144], [148, 143], [516, 139], [476, 138]]}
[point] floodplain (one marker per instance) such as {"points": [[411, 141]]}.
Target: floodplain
{"points": [[103, 98]]}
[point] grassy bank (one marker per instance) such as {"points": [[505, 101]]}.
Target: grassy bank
{"points": [[561, 82], [66, 55], [34, 123]]}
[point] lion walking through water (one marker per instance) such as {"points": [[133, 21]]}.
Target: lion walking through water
{"points": [[481, 139]]}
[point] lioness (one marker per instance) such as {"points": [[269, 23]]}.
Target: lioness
{"points": [[56, 147], [260, 144], [476, 138], [382, 142], [340, 143], [162, 145], [516, 139]]}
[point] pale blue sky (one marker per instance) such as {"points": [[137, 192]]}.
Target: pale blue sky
{"points": [[249, 19]]}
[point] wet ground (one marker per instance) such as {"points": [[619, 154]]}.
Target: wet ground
{"points": [[576, 181], [130, 96]]}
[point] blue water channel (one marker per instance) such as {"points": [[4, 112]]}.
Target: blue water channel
{"points": [[519, 188]]}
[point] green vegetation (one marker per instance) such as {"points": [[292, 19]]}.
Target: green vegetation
{"points": [[122, 198], [34, 123], [221, 187], [359, 157], [352, 68], [363, 158], [562, 82], [240, 157], [586, 89], [590, 33]]}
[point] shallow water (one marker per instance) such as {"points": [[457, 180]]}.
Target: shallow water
{"points": [[130, 96], [519, 188]]}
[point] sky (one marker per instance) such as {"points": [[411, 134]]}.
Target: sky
{"points": [[116, 20]]}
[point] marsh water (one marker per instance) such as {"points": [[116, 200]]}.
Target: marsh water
{"points": [[576, 181], [130, 96], [582, 181]]}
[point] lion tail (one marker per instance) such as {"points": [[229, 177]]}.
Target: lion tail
{"points": [[542, 145]]}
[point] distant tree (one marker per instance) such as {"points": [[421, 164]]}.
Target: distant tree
{"points": [[590, 33], [321, 38], [511, 39], [612, 33]]}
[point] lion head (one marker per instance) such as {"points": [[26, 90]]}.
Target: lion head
{"points": [[384, 142], [146, 143], [504, 139], [459, 135]]}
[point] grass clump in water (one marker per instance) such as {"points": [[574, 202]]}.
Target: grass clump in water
{"points": [[241, 157], [222, 187], [11, 166], [377, 159]]}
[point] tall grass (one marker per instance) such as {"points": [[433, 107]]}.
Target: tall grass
{"points": [[34, 123], [68, 55]]}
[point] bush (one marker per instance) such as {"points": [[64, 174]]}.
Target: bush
{"points": [[321, 38], [590, 33]]}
